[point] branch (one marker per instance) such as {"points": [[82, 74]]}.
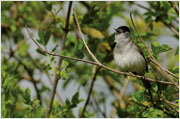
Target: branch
{"points": [[147, 48], [94, 63], [165, 69], [86, 4], [98, 107], [121, 94], [174, 7], [146, 107], [30, 73], [167, 25], [48, 75], [142, 6], [109, 82], [167, 102], [172, 28], [59, 62], [94, 58], [95, 71]]}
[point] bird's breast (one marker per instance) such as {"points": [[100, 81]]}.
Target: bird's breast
{"points": [[131, 61]]}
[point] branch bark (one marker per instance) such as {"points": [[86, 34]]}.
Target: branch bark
{"points": [[95, 71], [120, 96], [59, 62], [48, 75], [174, 7], [30, 73], [82, 38], [167, 102], [98, 107], [165, 69]]}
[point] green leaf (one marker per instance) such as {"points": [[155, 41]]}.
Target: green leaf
{"points": [[47, 37], [40, 52], [155, 87], [49, 6], [22, 51], [121, 113], [177, 51], [75, 98], [55, 48], [26, 96], [63, 74], [153, 113], [40, 34], [157, 48], [175, 69]]}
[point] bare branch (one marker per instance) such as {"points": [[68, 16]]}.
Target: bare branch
{"points": [[146, 107], [120, 96], [48, 75], [98, 107], [30, 73], [172, 28], [95, 71], [147, 48], [174, 7], [167, 102], [142, 6], [165, 69], [59, 62], [94, 58], [86, 4]]}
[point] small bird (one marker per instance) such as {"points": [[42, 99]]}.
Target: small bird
{"points": [[128, 56]]}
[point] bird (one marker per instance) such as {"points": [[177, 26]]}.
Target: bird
{"points": [[128, 56]]}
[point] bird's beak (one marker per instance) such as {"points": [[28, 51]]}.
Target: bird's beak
{"points": [[116, 30]]}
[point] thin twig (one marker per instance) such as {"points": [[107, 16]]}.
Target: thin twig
{"points": [[142, 6], [167, 25], [94, 63], [95, 71], [59, 62], [30, 73], [174, 7], [172, 28], [94, 58], [146, 107], [120, 96], [98, 107], [165, 69], [110, 84], [48, 75], [167, 102], [86, 4], [147, 48]]}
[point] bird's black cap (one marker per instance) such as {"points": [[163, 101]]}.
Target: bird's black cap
{"points": [[122, 29]]}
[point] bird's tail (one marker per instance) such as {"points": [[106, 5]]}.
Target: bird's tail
{"points": [[148, 86]]}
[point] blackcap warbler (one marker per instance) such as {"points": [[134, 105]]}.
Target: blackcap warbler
{"points": [[128, 56]]}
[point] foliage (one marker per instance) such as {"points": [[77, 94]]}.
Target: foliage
{"points": [[22, 61]]}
